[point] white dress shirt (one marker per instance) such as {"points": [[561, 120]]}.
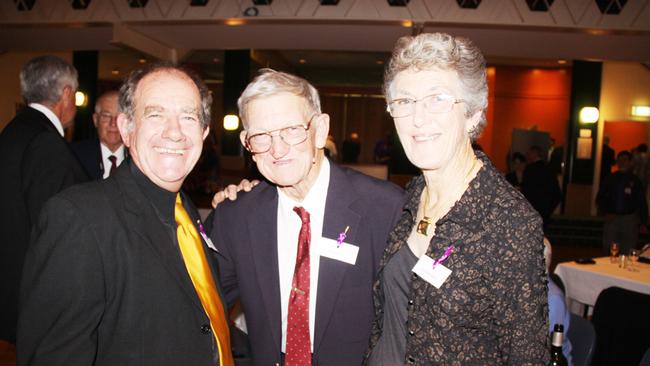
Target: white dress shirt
{"points": [[106, 152], [50, 115], [288, 231]]}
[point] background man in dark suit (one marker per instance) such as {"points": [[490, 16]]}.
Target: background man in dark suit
{"points": [[302, 305], [540, 185], [119, 271], [36, 163], [101, 156]]}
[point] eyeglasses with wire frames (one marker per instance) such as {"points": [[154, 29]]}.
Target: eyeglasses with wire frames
{"points": [[260, 143], [434, 103], [105, 117]]}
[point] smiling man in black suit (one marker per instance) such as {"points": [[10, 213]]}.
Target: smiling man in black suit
{"points": [[119, 271]]}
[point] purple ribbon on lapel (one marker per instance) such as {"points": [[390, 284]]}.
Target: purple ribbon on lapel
{"points": [[448, 252]]}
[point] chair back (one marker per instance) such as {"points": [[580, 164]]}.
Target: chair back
{"points": [[645, 361], [621, 323], [583, 340]]}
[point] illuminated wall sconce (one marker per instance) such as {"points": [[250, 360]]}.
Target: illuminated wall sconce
{"points": [[641, 110], [80, 99], [230, 122], [589, 115]]}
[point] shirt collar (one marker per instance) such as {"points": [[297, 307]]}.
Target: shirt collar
{"points": [[106, 152], [162, 200], [50, 115]]}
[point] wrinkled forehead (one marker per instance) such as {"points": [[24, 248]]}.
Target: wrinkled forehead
{"points": [[167, 88], [269, 112]]}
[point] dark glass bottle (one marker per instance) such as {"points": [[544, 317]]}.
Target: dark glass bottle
{"points": [[557, 357]]}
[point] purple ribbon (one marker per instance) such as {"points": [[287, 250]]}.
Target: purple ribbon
{"points": [[448, 252], [201, 229], [342, 237]]}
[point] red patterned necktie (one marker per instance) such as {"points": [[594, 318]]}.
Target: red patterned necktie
{"points": [[298, 347], [113, 160]]}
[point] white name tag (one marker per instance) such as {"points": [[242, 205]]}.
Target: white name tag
{"points": [[435, 276], [208, 241], [345, 252]]}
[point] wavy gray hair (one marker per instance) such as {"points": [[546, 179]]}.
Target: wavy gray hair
{"points": [[42, 79], [128, 88], [443, 51], [270, 82]]}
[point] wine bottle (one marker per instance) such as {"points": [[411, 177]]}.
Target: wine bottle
{"points": [[557, 357]]}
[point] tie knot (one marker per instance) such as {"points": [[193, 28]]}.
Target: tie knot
{"points": [[113, 159], [304, 215]]}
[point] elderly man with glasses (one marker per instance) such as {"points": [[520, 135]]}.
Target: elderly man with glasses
{"points": [[100, 157], [300, 251]]}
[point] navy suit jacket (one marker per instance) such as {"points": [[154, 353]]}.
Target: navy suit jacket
{"points": [[89, 154], [245, 232]]}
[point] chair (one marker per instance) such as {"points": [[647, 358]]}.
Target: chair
{"points": [[621, 323], [646, 359], [583, 339]]}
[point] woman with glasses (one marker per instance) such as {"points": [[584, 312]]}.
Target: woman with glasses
{"points": [[462, 280]]}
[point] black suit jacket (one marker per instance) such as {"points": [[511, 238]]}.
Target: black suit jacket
{"points": [[245, 231], [541, 188], [105, 284], [36, 163]]}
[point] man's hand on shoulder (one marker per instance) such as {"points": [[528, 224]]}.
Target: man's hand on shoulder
{"points": [[230, 192]]}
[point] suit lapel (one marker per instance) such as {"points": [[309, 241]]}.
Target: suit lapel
{"points": [[142, 220], [262, 228], [340, 211]]}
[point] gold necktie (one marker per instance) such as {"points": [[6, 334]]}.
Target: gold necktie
{"points": [[199, 270]]}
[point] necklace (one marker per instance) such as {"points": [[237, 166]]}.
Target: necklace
{"points": [[425, 223]]}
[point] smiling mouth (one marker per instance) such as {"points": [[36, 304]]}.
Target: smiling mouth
{"points": [[163, 150], [425, 138]]}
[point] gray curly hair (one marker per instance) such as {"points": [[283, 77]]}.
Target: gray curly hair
{"points": [[443, 51]]}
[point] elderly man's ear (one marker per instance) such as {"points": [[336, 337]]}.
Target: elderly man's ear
{"points": [[321, 124]]}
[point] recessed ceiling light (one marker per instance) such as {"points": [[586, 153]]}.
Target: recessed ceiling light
{"points": [[115, 71], [142, 60], [302, 61], [561, 62]]}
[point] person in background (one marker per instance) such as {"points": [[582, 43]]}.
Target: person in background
{"points": [[516, 175], [119, 271], [555, 158], [100, 157], [383, 150], [351, 149], [36, 163], [302, 307], [558, 313], [621, 198], [330, 148], [539, 185], [607, 160], [463, 280]]}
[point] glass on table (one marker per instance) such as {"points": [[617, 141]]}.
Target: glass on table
{"points": [[614, 248], [634, 258]]}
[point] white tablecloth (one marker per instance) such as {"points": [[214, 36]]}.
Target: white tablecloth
{"points": [[584, 282]]}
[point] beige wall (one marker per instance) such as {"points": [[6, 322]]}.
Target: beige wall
{"points": [[10, 64]]}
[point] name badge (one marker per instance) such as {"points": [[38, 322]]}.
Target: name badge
{"points": [[345, 252], [434, 275], [208, 241]]}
